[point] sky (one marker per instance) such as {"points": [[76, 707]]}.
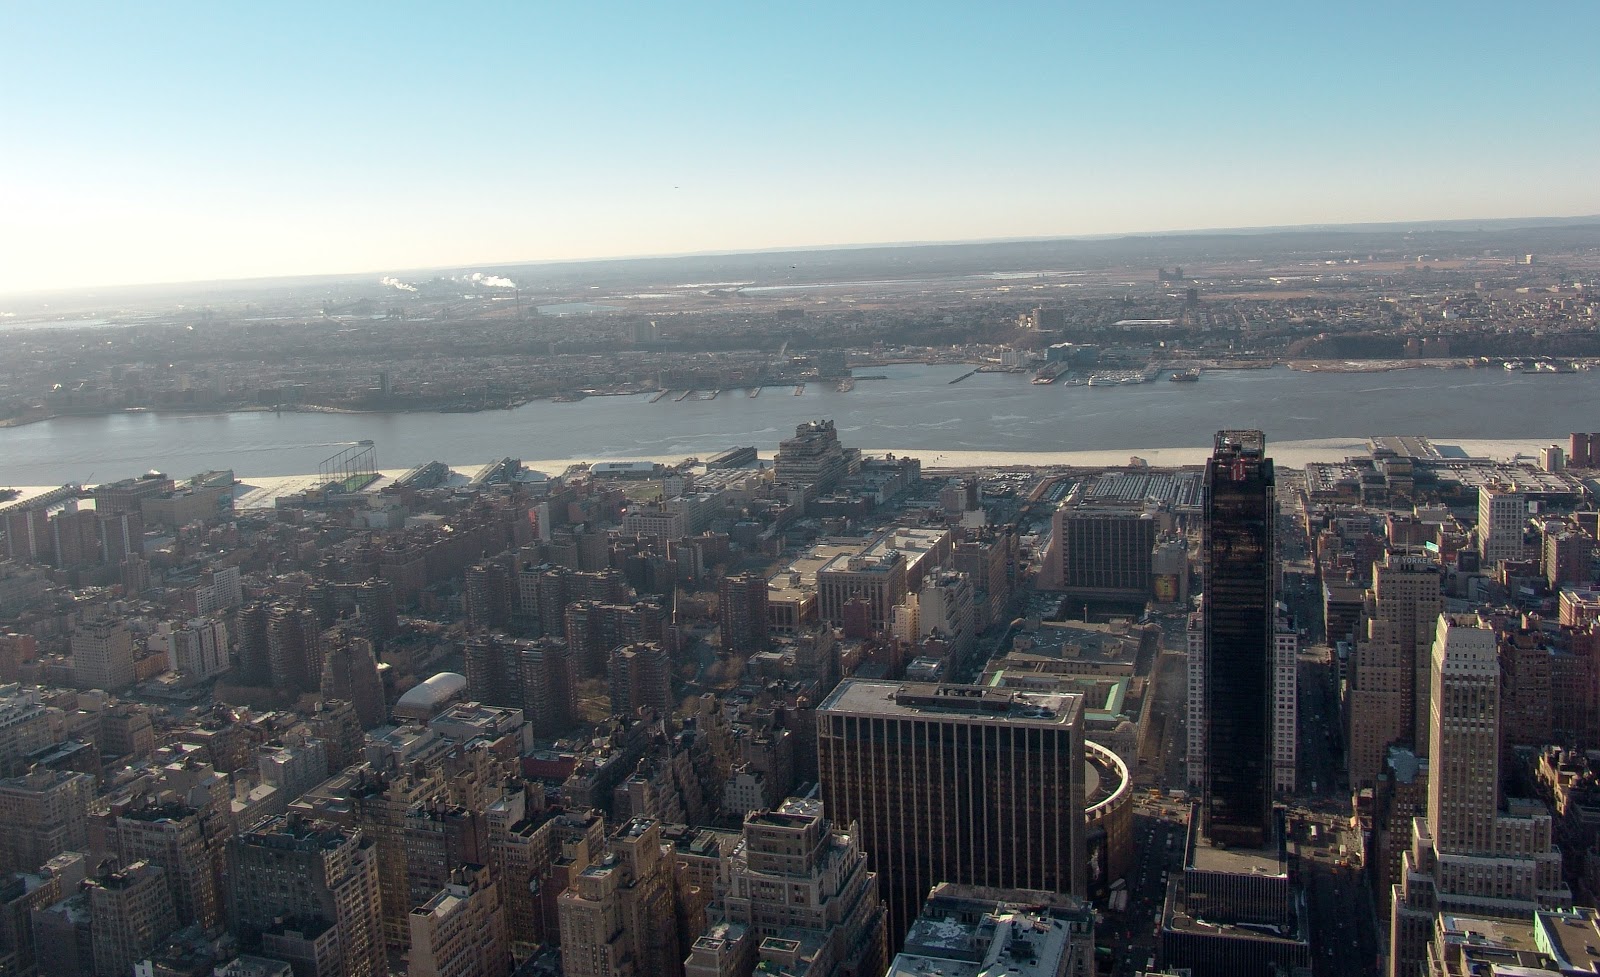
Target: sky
{"points": [[174, 141]]}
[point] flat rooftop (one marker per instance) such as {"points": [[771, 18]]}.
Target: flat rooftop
{"points": [[1525, 478], [441, 905], [1507, 948], [800, 576], [1017, 942], [1180, 489], [1405, 446], [262, 491], [1328, 477], [1207, 857], [478, 717], [933, 700], [1572, 934], [1180, 923], [1117, 641], [903, 542]]}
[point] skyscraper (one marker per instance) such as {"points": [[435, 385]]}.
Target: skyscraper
{"points": [[489, 592], [439, 838], [254, 652], [535, 676], [45, 813], [102, 655], [1389, 671], [549, 685], [814, 457], [376, 606], [641, 676], [1285, 705], [199, 649], [461, 931], [797, 887], [595, 629], [742, 611], [376, 804], [1471, 854], [494, 676], [189, 846], [1502, 511], [1239, 640], [294, 648], [1102, 549], [1464, 781], [619, 919], [312, 875], [27, 533], [1195, 734], [956, 783], [130, 912], [350, 672]]}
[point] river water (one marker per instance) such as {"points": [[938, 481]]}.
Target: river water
{"points": [[915, 409]]}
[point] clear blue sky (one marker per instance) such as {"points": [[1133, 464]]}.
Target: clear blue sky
{"points": [[172, 141]]}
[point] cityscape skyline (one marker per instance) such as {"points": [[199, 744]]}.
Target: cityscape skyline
{"points": [[714, 490], [920, 731]]}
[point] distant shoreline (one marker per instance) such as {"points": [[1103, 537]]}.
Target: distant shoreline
{"points": [[1297, 365]]}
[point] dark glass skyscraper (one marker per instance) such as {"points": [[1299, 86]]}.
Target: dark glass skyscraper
{"points": [[1239, 554]]}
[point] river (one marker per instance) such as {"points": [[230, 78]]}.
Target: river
{"points": [[915, 409]]}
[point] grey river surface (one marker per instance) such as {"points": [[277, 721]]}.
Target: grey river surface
{"points": [[915, 409]]}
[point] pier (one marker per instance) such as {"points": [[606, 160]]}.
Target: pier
{"points": [[963, 376]]}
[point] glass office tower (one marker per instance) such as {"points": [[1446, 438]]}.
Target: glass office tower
{"points": [[1239, 596]]}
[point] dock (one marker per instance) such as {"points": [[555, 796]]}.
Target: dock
{"points": [[753, 392], [682, 397], [799, 389], [963, 376], [713, 396], [1049, 373], [659, 395]]}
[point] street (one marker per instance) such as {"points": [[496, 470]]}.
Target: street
{"points": [[1159, 831]]}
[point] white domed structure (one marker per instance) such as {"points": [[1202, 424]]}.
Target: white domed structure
{"points": [[427, 699]]}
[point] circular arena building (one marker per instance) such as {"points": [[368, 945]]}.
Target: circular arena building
{"points": [[1108, 817]]}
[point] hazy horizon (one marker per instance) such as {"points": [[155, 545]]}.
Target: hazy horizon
{"points": [[350, 274], [190, 143]]}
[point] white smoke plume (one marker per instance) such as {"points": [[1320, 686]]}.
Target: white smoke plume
{"points": [[396, 283], [489, 281]]}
